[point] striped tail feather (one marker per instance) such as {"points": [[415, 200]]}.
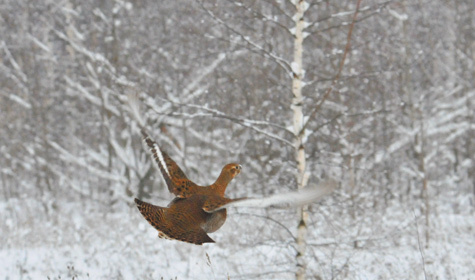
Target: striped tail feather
{"points": [[169, 229]]}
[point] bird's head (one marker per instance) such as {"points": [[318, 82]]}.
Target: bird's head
{"points": [[227, 174], [233, 169]]}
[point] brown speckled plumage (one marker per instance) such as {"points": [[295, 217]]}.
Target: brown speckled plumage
{"points": [[197, 211], [190, 216]]}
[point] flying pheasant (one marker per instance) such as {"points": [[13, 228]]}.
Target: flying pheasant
{"points": [[197, 210]]}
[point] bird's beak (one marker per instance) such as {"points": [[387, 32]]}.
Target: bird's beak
{"points": [[238, 169]]}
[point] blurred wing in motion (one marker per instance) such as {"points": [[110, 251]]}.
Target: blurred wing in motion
{"points": [[284, 200]]}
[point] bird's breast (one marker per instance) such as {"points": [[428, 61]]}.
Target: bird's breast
{"points": [[214, 221]]}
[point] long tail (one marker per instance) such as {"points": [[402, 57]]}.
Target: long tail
{"points": [[155, 215], [171, 229]]}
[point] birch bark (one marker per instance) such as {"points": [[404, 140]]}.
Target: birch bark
{"points": [[298, 125]]}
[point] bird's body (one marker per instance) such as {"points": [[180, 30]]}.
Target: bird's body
{"points": [[199, 210], [184, 219], [190, 216]]}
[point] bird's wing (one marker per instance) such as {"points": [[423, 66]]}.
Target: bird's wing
{"points": [[168, 229], [195, 236], [290, 199], [214, 203], [155, 215], [176, 180]]}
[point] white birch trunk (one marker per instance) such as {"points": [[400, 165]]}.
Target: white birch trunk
{"points": [[298, 122]]}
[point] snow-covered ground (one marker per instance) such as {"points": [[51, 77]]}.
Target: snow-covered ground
{"points": [[92, 241]]}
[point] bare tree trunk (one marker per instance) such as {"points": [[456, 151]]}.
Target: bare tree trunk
{"points": [[298, 123]]}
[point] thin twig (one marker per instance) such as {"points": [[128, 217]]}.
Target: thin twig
{"points": [[419, 244], [253, 46], [340, 69], [251, 124], [271, 219]]}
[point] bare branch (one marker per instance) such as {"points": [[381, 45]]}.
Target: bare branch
{"points": [[244, 122], [340, 69], [280, 61], [419, 245]]}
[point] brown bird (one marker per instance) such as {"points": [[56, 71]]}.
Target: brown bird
{"points": [[186, 219], [193, 213], [176, 180], [197, 210]]}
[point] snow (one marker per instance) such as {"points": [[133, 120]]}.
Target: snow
{"points": [[20, 101], [215, 89], [97, 171], [103, 243], [296, 67], [399, 16], [12, 60], [39, 43]]}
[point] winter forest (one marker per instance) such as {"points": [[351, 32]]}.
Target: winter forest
{"points": [[376, 94]]}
